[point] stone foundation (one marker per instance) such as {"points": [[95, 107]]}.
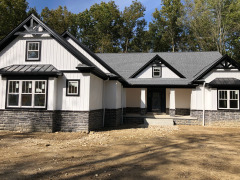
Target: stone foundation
{"points": [[27, 120], [218, 118], [50, 121], [143, 111], [133, 110], [113, 117], [187, 122], [183, 112], [172, 112]]}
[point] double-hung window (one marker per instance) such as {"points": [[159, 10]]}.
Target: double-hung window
{"points": [[228, 99], [33, 50], [156, 71], [27, 93]]}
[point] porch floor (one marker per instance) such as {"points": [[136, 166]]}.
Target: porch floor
{"points": [[158, 116]]}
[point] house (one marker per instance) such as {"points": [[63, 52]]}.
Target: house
{"points": [[51, 82]]}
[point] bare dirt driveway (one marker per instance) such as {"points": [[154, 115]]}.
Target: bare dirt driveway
{"points": [[179, 152]]}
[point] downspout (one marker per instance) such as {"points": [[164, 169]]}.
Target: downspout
{"points": [[203, 100], [104, 109]]}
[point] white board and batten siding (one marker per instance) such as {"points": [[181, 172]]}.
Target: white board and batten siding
{"points": [[94, 61], [96, 93], [166, 73], [113, 94], [222, 73], [51, 53]]}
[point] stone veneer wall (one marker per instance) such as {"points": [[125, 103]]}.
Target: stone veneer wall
{"points": [[181, 111], [27, 120], [218, 118], [50, 121], [113, 117], [172, 112], [135, 110]]}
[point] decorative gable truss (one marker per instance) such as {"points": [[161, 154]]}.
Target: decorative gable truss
{"points": [[157, 68]]}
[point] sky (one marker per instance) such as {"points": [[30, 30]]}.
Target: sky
{"points": [[76, 6]]}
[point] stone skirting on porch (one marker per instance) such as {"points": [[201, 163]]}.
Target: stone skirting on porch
{"points": [[218, 117]]}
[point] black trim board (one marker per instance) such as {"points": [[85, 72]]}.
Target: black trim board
{"points": [[157, 57], [223, 58]]}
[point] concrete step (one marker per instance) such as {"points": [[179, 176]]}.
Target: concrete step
{"points": [[158, 122]]}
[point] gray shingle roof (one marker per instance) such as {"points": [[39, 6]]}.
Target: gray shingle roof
{"points": [[223, 82], [187, 63]]}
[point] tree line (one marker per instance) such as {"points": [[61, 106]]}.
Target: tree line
{"points": [[189, 25]]}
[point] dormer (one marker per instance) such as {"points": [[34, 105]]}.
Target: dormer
{"points": [[157, 68]]}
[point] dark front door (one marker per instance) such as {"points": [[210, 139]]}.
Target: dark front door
{"points": [[156, 100]]}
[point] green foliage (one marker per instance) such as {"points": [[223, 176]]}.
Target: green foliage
{"points": [[60, 19], [11, 14]]}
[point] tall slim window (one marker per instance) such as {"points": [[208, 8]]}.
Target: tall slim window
{"points": [[33, 51], [228, 99], [27, 93], [157, 71]]}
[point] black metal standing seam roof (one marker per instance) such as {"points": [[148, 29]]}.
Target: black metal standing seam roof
{"points": [[224, 82], [42, 69]]}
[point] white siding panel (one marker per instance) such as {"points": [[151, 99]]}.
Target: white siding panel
{"points": [[74, 103], [51, 53], [113, 95], [96, 93], [167, 97], [166, 73], [222, 74], [52, 94], [94, 61]]}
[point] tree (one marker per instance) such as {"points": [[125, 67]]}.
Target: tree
{"points": [[12, 13], [99, 27], [167, 25], [133, 23], [60, 19]]}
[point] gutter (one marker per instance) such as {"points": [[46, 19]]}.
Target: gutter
{"points": [[203, 102]]}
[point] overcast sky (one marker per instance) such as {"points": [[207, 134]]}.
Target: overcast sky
{"points": [[77, 6]]}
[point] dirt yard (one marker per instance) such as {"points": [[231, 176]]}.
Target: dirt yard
{"points": [[179, 152]]}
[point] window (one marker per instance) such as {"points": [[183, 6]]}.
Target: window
{"points": [[33, 51], [156, 71], [27, 93], [228, 99], [73, 87]]}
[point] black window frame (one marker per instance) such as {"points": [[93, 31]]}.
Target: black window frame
{"points": [[26, 79], [67, 81], [228, 99], [160, 73], [40, 50]]}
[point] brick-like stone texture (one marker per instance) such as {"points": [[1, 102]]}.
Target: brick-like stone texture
{"points": [[187, 122], [71, 121], [167, 111], [135, 110], [218, 118], [95, 119], [143, 111], [27, 120], [181, 111], [172, 112], [113, 117], [133, 120], [50, 121]]}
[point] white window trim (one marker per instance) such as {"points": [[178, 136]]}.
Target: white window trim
{"points": [[158, 68], [33, 59], [20, 94], [228, 99]]}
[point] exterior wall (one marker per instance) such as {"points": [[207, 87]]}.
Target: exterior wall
{"points": [[74, 103], [87, 55], [133, 97], [113, 94], [3, 85], [52, 94], [167, 98], [218, 118], [221, 73], [113, 117], [51, 53], [96, 93], [166, 73], [183, 98]]}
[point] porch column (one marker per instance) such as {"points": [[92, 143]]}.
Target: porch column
{"points": [[143, 104], [172, 107]]}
